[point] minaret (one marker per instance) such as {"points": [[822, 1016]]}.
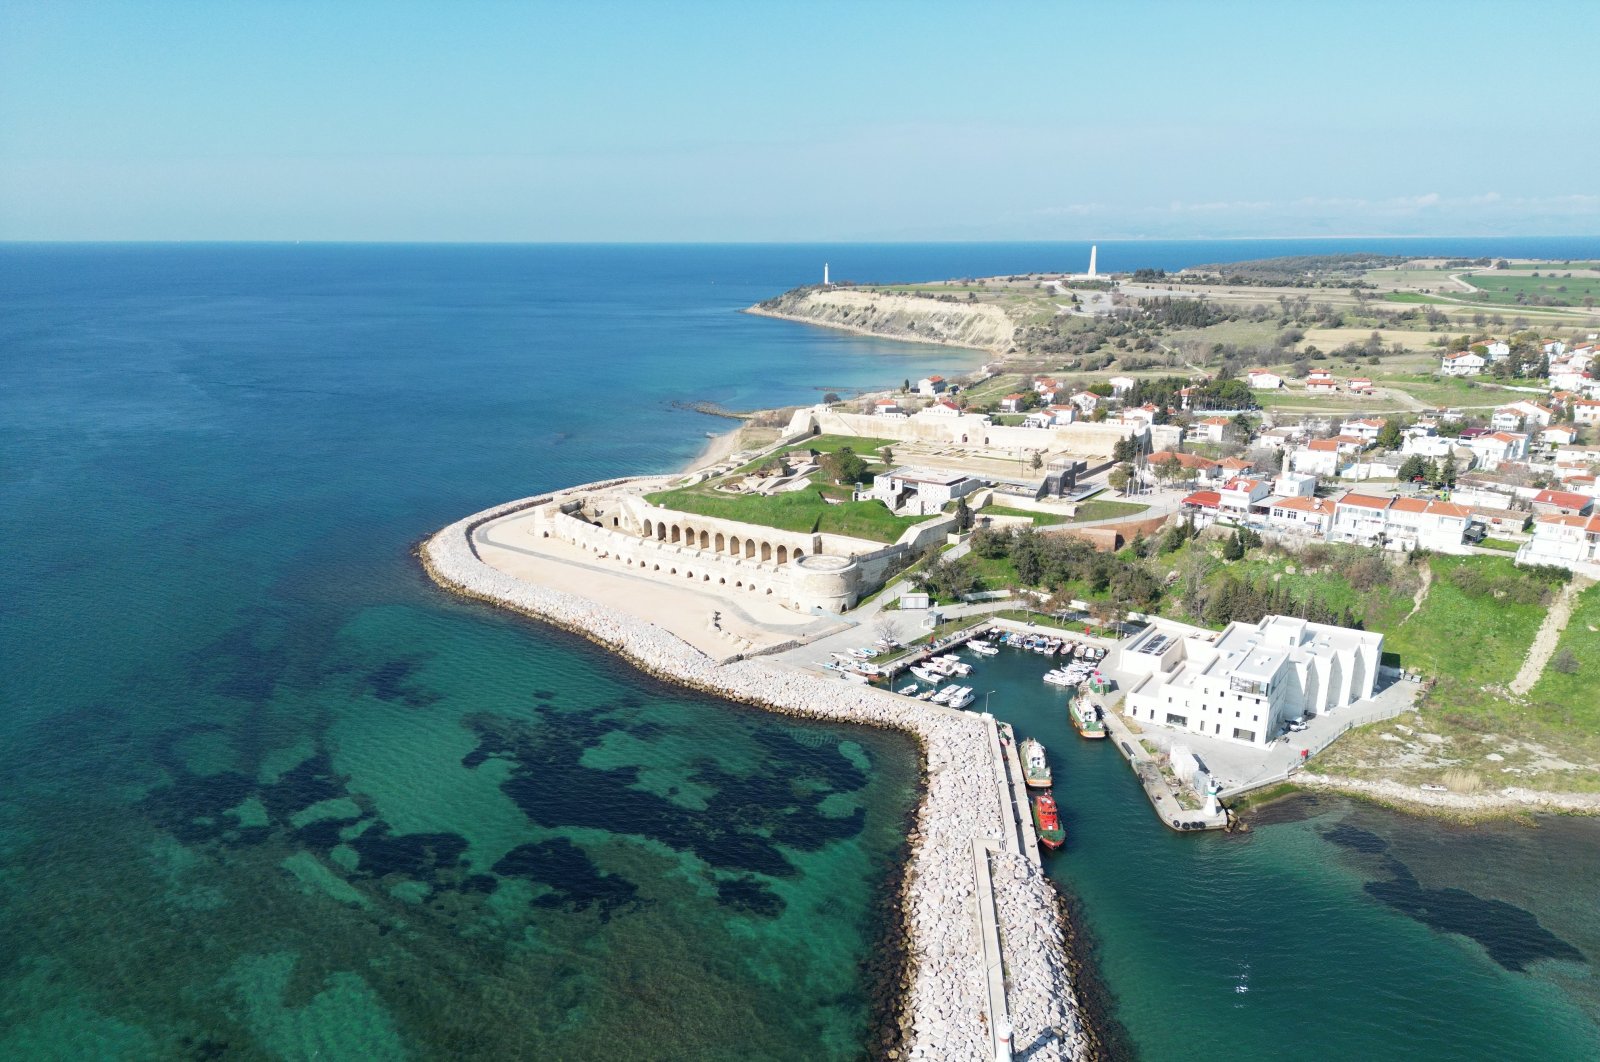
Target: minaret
{"points": [[824, 274], [1092, 250]]}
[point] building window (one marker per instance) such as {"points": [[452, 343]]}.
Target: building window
{"points": [[1177, 720], [1244, 735]]}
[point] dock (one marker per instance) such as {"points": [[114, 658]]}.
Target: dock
{"points": [[1163, 795]]}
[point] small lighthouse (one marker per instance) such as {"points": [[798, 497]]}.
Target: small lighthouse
{"points": [[824, 274], [1093, 250]]}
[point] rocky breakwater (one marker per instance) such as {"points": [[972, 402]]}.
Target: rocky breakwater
{"points": [[943, 1010], [977, 326]]}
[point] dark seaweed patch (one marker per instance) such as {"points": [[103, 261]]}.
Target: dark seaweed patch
{"points": [[575, 883], [1358, 839], [192, 806], [392, 682], [746, 823], [311, 781], [421, 856], [751, 896], [1511, 935], [542, 695]]}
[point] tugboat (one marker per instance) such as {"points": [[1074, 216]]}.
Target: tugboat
{"points": [[1035, 768], [1087, 719], [1047, 822]]}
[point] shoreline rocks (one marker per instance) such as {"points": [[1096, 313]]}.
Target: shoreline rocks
{"points": [[943, 1006]]}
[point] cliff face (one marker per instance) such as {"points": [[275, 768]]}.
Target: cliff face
{"points": [[920, 320]]}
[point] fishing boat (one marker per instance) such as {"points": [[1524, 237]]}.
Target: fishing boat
{"points": [[909, 691], [1059, 678], [944, 695], [983, 649], [1035, 768], [1088, 718], [962, 697], [1047, 821], [926, 674]]}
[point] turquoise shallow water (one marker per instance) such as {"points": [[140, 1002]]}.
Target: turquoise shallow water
{"points": [[269, 794]]}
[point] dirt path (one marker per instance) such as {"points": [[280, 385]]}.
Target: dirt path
{"points": [[1544, 643], [1422, 591]]}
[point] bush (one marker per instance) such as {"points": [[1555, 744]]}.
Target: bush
{"points": [[1565, 662]]}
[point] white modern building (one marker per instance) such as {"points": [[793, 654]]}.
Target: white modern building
{"points": [[920, 492], [1262, 380], [1461, 363], [1247, 683], [1498, 447], [1401, 523], [1567, 541]]}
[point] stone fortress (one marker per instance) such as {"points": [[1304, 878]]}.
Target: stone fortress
{"points": [[801, 571]]}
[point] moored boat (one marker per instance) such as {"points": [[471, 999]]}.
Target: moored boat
{"points": [[983, 649], [962, 697], [1035, 768], [1088, 718], [1047, 821]]}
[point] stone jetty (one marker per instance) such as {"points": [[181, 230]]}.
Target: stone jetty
{"points": [[945, 1010]]}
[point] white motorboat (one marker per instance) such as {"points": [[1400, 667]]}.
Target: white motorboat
{"points": [[962, 697], [909, 691], [983, 649], [926, 674], [943, 696]]}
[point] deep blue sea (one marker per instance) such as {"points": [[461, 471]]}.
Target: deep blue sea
{"points": [[266, 793]]}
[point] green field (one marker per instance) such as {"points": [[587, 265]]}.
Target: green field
{"points": [[1504, 288], [1104, 509], [802, 510], [1572, 700], [1039, 519], [1466, 641]]}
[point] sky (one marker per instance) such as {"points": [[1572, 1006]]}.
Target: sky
{"points": [[766, 121]]}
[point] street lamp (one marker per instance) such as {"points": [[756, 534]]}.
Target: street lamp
{"points": [[986, 702]]}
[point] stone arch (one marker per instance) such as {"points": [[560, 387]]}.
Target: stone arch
{"points": [[798, 553], [672, 571], [657, 568], [769, 591], [737, 584], [688, 575], [661, 530], [675, 532], [750, 548], [783, 554], [706, 578], [720, 543], [766, 551], [705, 540]]}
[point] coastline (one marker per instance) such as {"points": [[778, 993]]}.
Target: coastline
{"points": [[1461, 807], [941, 1004], [857, 330], [718, 448]]}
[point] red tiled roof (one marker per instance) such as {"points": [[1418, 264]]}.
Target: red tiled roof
{"points": [[1204, 499], [1366, 501], [1563, 499], [1304, 505]]}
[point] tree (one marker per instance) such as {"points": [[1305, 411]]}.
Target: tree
{"points": [[888, 457], [1389, 434], [844, 466], [905, 385], [1447, 474], [1036, 462], [1411, 468], [963, 515], [1120, 477], [830, 398], [1170, 470], [1233, 547]]}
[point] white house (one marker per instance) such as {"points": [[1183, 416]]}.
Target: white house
{"points": [[1249, 682], [931, 385], [1012, 403], [1039, 418], [1566, 541], [1497, 447], [887, 407], [1321, 381], [1553, 348], [1303, 514], [1558, 435], [1523, 413], [1262, 380], [1121, 385], [1210, 429], [1497, 348], [1400, 523], [1324, 457], [1239, 497], [1280, 438], [1461, 363], [1427, 445], [1585, 411], [1366, 429], [1360, 385], [942, 408], [1086, 401]]}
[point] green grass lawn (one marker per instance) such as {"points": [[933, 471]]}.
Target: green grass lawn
{"points": [[1039, 519], [801, 511], [1105, 509], [1466, 640], [1501, 544], [1572, 701]]}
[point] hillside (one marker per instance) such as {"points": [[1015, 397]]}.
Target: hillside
{"points": [[979, 326]]}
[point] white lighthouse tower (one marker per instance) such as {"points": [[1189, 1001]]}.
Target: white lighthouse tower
{"points": [[825, 274], [1093, 250]]}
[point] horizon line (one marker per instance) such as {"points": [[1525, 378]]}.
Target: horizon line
{"points": [[780, 243]]}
